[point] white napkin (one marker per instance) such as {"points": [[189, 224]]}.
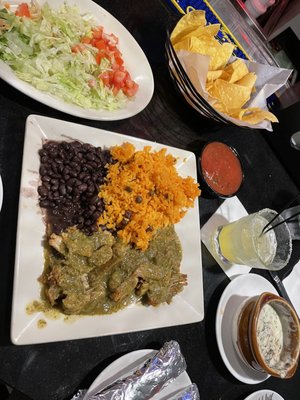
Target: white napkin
{"points": [[230, 210]]}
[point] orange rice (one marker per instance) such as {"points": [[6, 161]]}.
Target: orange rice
{"points": [[145, 184]]}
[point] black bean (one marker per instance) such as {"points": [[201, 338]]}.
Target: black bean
{"points": [[96, 215], [46, 178], [43, 191], [43, 170], [71, 173], [71, 182], [90, 156], [128, 214], [138, 199], [94, 200], [81, 176], [83, 187], [62, 189], [44, 203]]}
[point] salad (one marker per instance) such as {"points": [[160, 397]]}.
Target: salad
{"points": [[64, 53]]}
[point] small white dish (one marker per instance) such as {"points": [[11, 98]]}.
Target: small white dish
{"points": [[134, 57], [1, 193], [128, 363], [187, 307], [237, 291], [264, 395]]}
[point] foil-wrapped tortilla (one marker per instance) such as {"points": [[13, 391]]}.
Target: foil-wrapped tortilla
{"points": [[189, 393], [151, 377]]}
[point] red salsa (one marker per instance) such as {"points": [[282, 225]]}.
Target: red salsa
{"points": [[221, 168]]}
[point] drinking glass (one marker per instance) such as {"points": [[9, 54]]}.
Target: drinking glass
{"points": [[244, 241]]}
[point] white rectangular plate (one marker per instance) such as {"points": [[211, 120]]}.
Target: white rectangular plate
{"points": [[186, 307], [135, 61]]}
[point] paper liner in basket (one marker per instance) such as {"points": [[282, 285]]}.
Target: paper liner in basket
{"points": [[269, 80]]}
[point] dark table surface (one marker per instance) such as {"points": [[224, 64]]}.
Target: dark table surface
{"points": [[57, 370]]}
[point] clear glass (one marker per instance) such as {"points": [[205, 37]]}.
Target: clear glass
{"points": [[244, 29], [294, 223], [242, 241]]}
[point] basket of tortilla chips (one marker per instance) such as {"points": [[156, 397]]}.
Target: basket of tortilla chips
{"points": [[214, 82]]}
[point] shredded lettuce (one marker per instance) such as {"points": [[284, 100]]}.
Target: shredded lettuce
{"points": [[39, 50]]}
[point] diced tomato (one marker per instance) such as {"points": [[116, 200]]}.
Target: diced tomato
{"points": [[119, 78], [107, 78], [98, 32], [99, 57], [101, 45], [130, 92], [118, 58], [129, 83], [23, 10], [112, 39]]}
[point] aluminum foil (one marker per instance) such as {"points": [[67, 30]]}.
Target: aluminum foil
{"points": [[149, 378], [189, 393]]}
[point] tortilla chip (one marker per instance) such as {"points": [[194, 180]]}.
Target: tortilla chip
{"points": [[248, 80], [193, 19], [199, 32], [213, 75], [254, 115], [208, 86], [231, 96], [235, 71], [220, 56], [185, 44], [219, 53]]}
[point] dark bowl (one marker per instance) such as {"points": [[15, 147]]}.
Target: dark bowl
{"points": [[220, 172]]}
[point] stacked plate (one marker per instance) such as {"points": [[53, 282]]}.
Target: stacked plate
{"points": [[186, 87]]}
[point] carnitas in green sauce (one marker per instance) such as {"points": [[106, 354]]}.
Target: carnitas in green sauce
{"points": [[99, 274]]}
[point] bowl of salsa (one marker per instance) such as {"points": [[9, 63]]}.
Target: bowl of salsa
{"points": [[220, 169]]}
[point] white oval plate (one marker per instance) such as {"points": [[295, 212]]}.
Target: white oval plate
{"points": [[237, 291], [135, 61], [269, 395], [124, 365]]}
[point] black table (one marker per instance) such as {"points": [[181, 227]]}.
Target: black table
{"points": [[57, 370]]}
